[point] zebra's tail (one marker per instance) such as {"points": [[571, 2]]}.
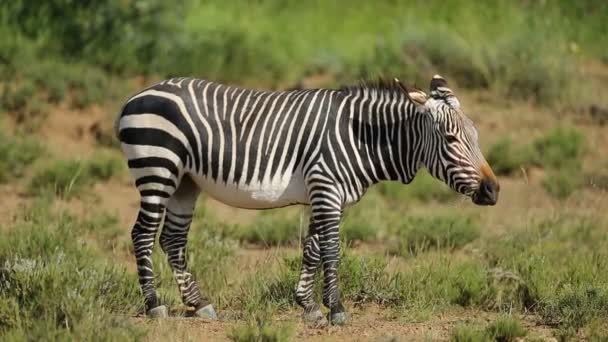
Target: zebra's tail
{"points": [[117, 123]]}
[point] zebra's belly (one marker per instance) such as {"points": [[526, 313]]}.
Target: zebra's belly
{"points": [[271, 193]]}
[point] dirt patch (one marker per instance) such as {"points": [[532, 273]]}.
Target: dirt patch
{"points": [[368, 323]]}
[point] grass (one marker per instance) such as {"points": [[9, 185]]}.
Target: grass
{"points": [[17, 153], [503, 329], [495, 49], [507, 159], [420, 234], [68, 178], [261, 332], [272, 228], [54, 287], [423, 188]]}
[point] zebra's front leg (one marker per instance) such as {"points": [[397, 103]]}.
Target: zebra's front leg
{"points": [[305, 290], [325, 220], [174, 240]]}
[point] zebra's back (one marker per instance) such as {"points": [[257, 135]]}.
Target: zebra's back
{"points": [[246, 148]]}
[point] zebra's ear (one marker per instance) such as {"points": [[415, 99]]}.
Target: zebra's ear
{"points": [[418, 97], [439, 90]]}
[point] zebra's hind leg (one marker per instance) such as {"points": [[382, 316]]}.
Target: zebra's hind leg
{"points": [[305, 291], [174, 240], [144, 235]]}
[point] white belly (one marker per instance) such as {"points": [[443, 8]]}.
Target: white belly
{"points": [[271, 193]]}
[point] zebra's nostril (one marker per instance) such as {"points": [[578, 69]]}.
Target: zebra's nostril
{"points": [[489, 188]]}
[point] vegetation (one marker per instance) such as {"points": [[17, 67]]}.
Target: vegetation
{"points": [[53, 287], [16, 154], [411, 252], [419, 234], [69, 177], [503, 329]]}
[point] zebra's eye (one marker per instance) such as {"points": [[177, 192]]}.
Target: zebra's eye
{"points": [[451, 138]]}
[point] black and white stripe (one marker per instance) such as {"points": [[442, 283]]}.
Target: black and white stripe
{"points": [[256, 149]]}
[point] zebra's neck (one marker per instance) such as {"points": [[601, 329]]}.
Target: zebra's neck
{"points": [[388, 133]]}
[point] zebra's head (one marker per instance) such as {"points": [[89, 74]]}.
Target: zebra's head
{"points": [[452, 152]]}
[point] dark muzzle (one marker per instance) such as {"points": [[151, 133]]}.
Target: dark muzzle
{"points": [[487, 194]]}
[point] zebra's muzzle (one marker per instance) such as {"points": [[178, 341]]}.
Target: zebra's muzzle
{"points": [[487, 194]]}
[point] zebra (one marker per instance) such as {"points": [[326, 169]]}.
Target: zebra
{"points": [[260, 149]]}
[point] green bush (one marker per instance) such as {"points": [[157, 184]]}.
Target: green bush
{"points": [[53, 287], [506, 329], [495, 49], [561, 147], [567, 289], [419, 234], [16, 154], [468, 333], [261, 332], [271, 229], [67, 178], [506, 159], [561, 184], [423, 188], [503, 329]]}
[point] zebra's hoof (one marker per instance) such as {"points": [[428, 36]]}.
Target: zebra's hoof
{"points": [[338, 318], [315, 318], [206, 312], [158, 312]]}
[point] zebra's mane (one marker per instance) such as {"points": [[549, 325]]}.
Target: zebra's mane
{"points": [[381, 84]]}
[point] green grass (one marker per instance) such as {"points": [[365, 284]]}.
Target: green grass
{"points": [[518, 49], [261, 331], [503, 329], [507, 159], [423, 188], [17, 153], [420, 234], [56, 287], [68, 178], [560, 147], [506, 329], [272, 228], [468, 333]]}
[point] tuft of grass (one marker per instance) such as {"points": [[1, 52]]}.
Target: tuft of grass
{"points": [[56, 287], [272, 229], [468, 333], [505, 329], [561, 147], [566, 289], [420, 234], [423, 188], [16, 154], [68, 178], [261, 331], [562, 183], [507, 159]]}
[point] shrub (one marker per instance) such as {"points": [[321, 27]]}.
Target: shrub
{"points": [[468, 333], [423, 188], [505, 159], [16, 154], [561, 147], [54, 287], [271, 229], [505, 329], [261, 332], [67, 178], [419, 234], [561, 184]]}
